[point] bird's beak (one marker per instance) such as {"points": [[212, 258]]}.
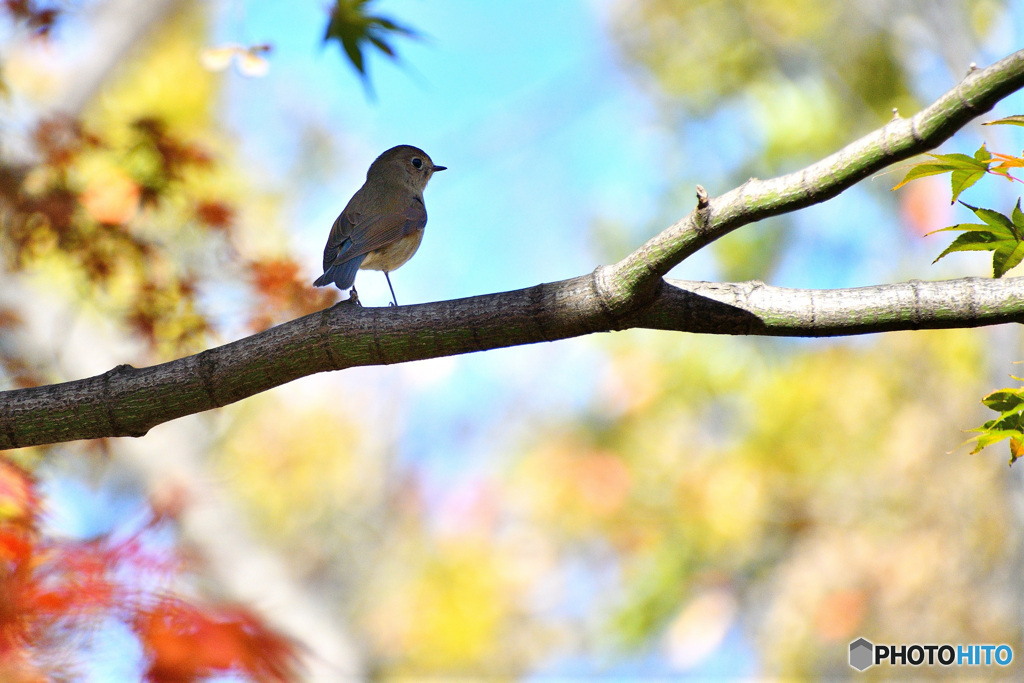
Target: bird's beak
{"points": [[440, 168]]}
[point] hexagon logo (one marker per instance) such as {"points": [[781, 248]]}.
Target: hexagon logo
{"points": [[861, 654]]}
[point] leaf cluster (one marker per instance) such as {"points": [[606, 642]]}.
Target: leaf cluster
{"points": [[1001, 234], [93, 213], [64, 218], [1009, 403], [55, 586]]}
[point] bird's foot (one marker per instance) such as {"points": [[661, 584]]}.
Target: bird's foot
{"points": [[353, 298]]}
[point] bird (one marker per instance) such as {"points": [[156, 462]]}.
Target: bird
{"points": [[382, 225]]}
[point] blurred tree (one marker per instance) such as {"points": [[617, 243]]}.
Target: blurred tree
{"points": [[795, 79], [792, 480], [806, 74], [122, 203]]}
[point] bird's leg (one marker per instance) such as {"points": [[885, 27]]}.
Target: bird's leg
{"points": [[393, 299], [353, 297]]}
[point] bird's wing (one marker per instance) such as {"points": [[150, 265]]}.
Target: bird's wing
{"points": [[348, 241], [339, 242]]}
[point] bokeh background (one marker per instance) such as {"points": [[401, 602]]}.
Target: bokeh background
{"points": [[631, 505]]}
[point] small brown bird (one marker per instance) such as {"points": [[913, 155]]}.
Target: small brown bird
{"points": [[382, 225]]}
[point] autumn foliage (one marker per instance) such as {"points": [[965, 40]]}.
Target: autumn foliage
{"points": [[50, 588], [97, 227], [126, 215]]}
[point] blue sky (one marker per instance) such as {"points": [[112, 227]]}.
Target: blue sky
{"points": [[539, 127]]}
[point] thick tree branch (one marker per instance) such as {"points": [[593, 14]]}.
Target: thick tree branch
{"points": [[128, 402], [756, 308]]}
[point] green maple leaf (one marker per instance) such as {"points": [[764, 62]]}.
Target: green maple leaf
{"points": [[353, 26]]}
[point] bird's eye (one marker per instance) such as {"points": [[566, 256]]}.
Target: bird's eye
{"points": [[417, 162]]}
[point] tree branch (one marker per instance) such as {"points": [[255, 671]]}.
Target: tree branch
{"points": [[756, 308], [127, 401], [631, 293], [633, 280]]}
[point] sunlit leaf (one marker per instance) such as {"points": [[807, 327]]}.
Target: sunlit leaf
{"points": [[1017, 218], [922, 170], [1009, 403], [993, 436], [1015, 120], [1008, 255], [960, 180], [1016, 448], [970, 241], [1000, 224], [965, 170], [999, 234], [963, 227], [962, 161], [1008, 160], [1005, 401]]}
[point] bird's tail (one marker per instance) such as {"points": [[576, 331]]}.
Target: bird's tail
{"points": [[341, 274]]}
